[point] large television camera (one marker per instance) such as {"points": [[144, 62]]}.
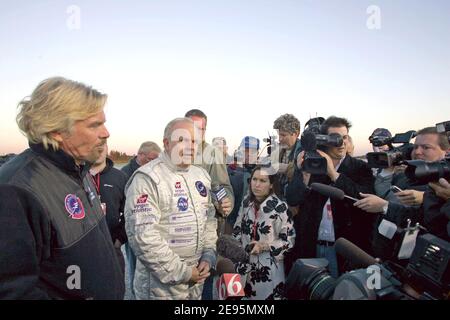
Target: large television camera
{"points": [[312, 140], [426, 277], [395, 155], [421, 172]]}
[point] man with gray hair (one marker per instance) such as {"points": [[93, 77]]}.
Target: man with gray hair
{"points": [[54, 239], [170, 220], [288, 127], [147, 152]]}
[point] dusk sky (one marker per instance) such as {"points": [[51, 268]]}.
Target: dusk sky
{"points": [[244, 63]]}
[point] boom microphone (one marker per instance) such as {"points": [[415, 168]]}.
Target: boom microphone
{"points": [[329, 191], [354, 257]]}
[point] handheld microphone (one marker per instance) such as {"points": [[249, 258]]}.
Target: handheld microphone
{"points": [[218, 191], [354, 256], [329, 191], [230, 248], [229, 286]]}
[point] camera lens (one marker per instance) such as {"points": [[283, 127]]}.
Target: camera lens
{"points": [[309, 279]]}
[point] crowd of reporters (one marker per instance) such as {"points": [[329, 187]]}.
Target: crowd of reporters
{"points": [[266, 205]]}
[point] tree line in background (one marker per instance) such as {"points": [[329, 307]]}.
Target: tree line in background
{"points": [[119, 157], [116, 156]]}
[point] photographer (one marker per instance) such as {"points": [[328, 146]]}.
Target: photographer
{"points": [[430, 146], [288, 127], [386, 177], [321, 220]]}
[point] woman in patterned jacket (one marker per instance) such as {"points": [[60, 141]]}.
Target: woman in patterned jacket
{"points": [[265, 228]]}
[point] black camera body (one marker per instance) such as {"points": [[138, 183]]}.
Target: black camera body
{"points": [[395, 155], [312, 140], [427, 276], [421, 172]]}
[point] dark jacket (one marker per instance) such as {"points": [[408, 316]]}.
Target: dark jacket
{"points": [[111, 185], [433, 214], [387, 249], [53, 231], [349, 222], [130, 167], [238, 179], [292, 159]]}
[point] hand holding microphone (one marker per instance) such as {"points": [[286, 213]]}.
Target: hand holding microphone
{"points": [[224, 204], [371, 203]]}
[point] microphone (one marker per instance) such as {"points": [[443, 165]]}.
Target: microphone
{"points": [[329, 191], [224, 265], [230, 248], [354, 257], [229, 286], [218, 192]]}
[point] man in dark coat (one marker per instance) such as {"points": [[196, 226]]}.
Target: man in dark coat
{"points": [[322, 220]]}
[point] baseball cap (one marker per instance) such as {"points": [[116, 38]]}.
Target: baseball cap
{"points": [[250, 143], [381, 132]]}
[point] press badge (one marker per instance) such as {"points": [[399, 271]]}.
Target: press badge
{"points": [[408, 244]]}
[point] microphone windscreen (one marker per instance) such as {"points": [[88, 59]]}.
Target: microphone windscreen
{"points": [[225, 265], [230, 248], [354, 256], [329, 191], [308, 141]]}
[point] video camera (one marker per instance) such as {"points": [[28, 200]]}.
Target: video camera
{"points": [[395, 155], [312, 140], [422, 172], [426, 277]]}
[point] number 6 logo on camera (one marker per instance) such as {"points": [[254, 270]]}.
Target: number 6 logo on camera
{"points": [[229, 286]]}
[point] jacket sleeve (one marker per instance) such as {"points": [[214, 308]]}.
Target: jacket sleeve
{"points": [[219, 174], [285, 237], [399, 214], [363, 181], [296, 189], [210, 240], [24, 231], [142, 216], [121, 233], [383, 185]]}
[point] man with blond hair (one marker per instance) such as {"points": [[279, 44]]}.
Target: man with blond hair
{"points": [[54, 239], [170, 220]]}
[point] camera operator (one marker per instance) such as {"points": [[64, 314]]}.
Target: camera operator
{"points": [[386, 177], [288, 127], [321, 220], [429, 146]]}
